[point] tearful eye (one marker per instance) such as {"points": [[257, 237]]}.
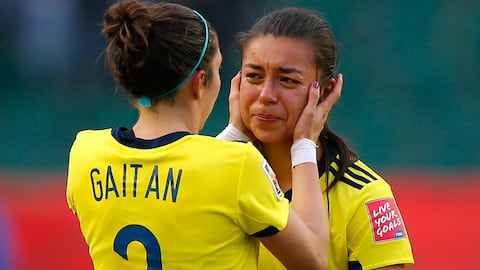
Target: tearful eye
{"points": [[289, 81], [253, 77]]}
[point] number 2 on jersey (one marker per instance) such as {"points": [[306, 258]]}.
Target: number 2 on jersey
{"points": [[141, 234]]}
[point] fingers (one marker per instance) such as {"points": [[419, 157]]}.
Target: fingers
{"points": [[334, 95], [234, 87], [313, 98], [233, 98], [315, 113], [305, 126], [313, 94], [234, 107]]}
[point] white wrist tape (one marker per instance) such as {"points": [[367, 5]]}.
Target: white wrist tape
{"points": [[231, 133], [303, 151]]}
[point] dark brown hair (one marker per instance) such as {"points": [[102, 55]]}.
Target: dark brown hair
{"points": [[153, 46], [308, 25]]}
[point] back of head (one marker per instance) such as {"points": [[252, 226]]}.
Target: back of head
{"points": [[299, 23], [152, 47]]}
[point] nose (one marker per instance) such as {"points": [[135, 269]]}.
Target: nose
{"points": [[268, 93]]}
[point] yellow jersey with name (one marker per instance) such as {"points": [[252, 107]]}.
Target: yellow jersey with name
{"points": [[181, 201]]}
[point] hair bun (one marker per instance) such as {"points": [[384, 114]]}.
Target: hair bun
{"points": [[127, 25]]}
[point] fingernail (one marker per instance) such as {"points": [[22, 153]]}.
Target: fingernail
{"points": [[315, 84]]}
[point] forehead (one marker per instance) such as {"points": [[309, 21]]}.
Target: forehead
{"points": [[268, 51]]}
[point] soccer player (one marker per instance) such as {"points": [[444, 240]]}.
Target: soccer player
{"points": [[161, 196], [281, 55]]}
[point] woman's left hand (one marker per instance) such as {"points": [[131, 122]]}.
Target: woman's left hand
{"points": [[314, 116]]}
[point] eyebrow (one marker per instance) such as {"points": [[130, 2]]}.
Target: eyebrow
{"points": [[281, 69]]}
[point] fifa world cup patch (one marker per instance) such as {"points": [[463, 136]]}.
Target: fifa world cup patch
{"points": [[273, 179], [385, 219]]}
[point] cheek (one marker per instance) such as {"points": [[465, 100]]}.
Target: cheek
{"points": [[294, 107], [246, 99], [244, 107]]}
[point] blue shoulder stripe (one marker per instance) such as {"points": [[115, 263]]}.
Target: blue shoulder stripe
{"points": [[346, 180], [357, 177], [356, 167], [352, 183]]}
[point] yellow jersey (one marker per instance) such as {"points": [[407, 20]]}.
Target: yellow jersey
{"points": [[366, 227], [181, 201]]}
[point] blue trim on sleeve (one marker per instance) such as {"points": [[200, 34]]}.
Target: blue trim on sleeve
{"points": [[288, 195], [354, 265], [269, 231]]}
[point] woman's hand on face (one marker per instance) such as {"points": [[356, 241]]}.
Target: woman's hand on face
{"points": [[315, 114], [234, 107]]}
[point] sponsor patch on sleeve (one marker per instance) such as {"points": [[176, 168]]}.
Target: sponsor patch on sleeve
{"points": [[385, 219], [272, 178]]}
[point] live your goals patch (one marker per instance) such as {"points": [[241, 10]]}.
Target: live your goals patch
{"points": [[387, 223]]}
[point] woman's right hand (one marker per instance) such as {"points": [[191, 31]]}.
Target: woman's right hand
{"points": [[234, 107], [314, 116]]}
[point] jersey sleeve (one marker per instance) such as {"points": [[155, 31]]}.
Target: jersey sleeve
{"points": [[376, 233], [261, 204], [76, 160], [71, 178]]}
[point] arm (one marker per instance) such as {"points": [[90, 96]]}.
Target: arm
{"points": [[303, 244]]}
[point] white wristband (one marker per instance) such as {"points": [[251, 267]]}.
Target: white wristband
{"points": [[231, 133], [303, 151]]}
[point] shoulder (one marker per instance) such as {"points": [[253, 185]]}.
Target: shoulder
{"points": [[363, 188], [227, 147], [87, 134], [85, 139], [91, 136], [358, 185], [359, 176]]}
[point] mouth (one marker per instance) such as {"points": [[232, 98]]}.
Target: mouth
{"points": [[266, 118]]}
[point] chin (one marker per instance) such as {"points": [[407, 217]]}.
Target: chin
{"points": [[266, 136]]}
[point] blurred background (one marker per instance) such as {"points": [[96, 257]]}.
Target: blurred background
{"points": [[410, 108]]}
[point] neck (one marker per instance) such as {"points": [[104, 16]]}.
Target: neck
{"points": [[278, 156], [163, 119]]}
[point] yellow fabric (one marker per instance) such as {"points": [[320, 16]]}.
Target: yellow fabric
{"points": [[354, 236], [190, 204]]}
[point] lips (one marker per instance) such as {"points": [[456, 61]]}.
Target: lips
{"points": [[266, 118]]}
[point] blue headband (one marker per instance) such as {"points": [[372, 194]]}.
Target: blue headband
{"points": [[146, 101]]}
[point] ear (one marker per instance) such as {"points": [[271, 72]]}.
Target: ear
{"points": [[327, 88], [198, 83]]}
